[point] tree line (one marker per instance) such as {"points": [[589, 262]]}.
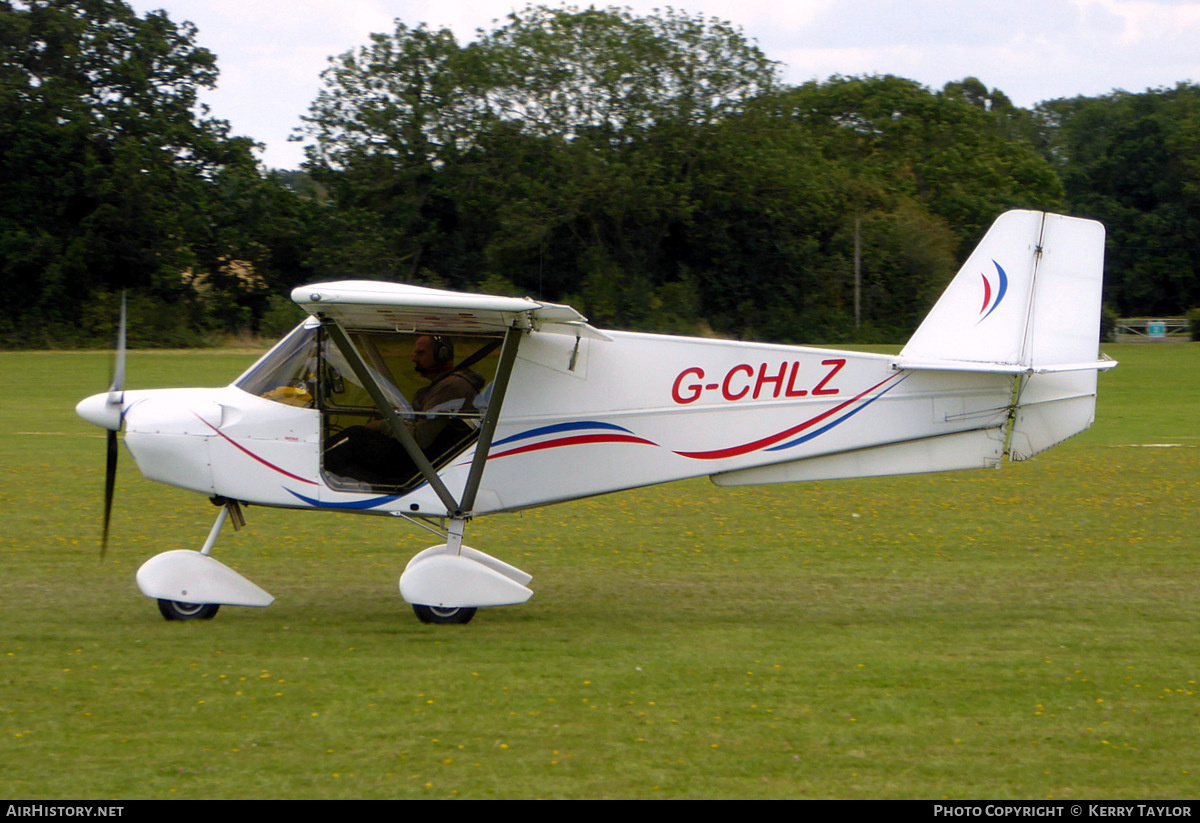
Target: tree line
{"points": [[652, 171]]}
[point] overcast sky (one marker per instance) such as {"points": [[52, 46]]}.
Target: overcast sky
{"points": [[271, 52]]}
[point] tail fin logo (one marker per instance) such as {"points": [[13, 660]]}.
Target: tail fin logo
{"points": [[993, 296]]}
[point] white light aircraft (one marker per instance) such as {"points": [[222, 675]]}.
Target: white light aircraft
{"points": [[518, 403]]}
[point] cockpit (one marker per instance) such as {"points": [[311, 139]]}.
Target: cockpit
{"points": [[438, 385]]}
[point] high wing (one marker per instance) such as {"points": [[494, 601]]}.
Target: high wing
{"points": [[368, 304]]}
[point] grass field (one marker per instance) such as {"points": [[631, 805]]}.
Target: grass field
{"points": [[1027, 633]]}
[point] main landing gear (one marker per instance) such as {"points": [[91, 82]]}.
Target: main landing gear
{"points": [[445, 584], [448, 582]]}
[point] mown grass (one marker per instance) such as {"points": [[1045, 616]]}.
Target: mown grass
{"points": [[1027, 633]]}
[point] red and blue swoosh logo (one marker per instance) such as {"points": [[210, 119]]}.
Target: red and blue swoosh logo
{"points": [[591, 432], [993, 294]]}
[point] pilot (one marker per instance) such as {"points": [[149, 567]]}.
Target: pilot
{"points": [[449, 389], [371, 453]]}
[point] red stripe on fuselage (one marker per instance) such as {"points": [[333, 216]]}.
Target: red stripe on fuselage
{"points": [[736, 451], [242, 448]]}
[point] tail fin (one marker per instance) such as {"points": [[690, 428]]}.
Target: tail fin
{"points": [[1027, 303], [1029, 295]]}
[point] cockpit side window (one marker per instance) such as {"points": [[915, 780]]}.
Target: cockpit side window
{"points": [[340, 387], [437, 384]]}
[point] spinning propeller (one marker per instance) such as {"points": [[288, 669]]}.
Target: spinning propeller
{"points": [[115, 411]]}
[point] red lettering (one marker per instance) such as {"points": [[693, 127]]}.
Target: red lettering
{"points": [[778, 380], [837, 367], [791, 390], [725, 385], [763, 378], [693, 389]]}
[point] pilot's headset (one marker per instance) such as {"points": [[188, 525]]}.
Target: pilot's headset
{"points": [[443, 351]]}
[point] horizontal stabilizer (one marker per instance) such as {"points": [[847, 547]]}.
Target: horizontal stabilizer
{"points": [[905, 364]]}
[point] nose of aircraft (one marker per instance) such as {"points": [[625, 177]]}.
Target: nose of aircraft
{"points": [[100, 411]]}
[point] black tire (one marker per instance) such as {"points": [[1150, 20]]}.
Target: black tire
{"points": [[174, 610], [436, 614]]}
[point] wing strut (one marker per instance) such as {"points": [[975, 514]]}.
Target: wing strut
{"points": [[508, 356], [399, 430]]}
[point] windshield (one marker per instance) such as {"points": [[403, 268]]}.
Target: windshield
{"points": [[287, 373]]}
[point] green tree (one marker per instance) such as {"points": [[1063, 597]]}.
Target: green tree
{"points": [[392, 117], [512, 155], [110, 175], [1132, 161], [652, 171], [920, 173], [610, 74], [416, 97], [957, 152]]}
